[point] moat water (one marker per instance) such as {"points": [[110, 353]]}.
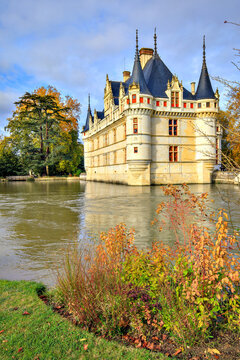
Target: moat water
{"points": [[39, 220]]}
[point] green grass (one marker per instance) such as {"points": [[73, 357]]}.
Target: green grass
{"points": [[46, 335]]}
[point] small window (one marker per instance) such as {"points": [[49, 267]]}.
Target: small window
{"points": [[173, 153], [157, 103], [199, 105], [215, 104], [184, 105], [217, 129], [135, 149], [135, 125], [208, 104], [127, 101], [164, 103], [133, 98], [191, 105], [173, 127], [141, 99], [148, 100]]}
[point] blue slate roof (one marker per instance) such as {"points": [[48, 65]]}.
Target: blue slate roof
{"points": [[115, 85], [157, 76], [138, 77], [89, 117], [204, 89], [100, 114]]}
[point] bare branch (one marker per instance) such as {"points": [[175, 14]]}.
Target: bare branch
{"points": [[230, 22]]}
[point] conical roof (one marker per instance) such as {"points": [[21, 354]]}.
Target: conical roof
{"points": [[204, 89], [157, 76], [89, 116], [137, 73]]}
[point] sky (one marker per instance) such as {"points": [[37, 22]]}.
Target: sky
{"points": [[73, 44]]}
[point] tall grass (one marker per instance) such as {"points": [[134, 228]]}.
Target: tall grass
{"points": [[187, 291]]}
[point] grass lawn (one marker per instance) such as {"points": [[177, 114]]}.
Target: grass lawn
{"points": [[42, 334]]}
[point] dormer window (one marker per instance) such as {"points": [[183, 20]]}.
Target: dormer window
{"points": [[133, 98], [175, 99]]}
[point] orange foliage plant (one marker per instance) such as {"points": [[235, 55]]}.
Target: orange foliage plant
{"points": [[185, 291]]}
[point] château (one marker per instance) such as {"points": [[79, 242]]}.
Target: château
{"points": [[152, 129]]}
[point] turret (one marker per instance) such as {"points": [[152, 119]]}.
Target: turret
{"points": [[137, 77], [89, 117], [204, 89]]}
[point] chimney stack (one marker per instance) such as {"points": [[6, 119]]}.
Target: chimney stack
{"points": [[193, 88], [126, 75], [145, 55]]}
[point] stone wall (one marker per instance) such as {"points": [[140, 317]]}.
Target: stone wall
{"points": [[226, 177]]}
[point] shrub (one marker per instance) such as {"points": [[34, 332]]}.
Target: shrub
{"points": [[187, 291]]}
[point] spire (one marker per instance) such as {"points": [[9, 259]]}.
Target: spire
{"points": [[137, 72], [137, 52], [204, 89], [155, 42], [89, 107], [204, 51]]}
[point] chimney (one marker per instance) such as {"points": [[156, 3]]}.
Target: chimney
{"points": [[145, 55], [193, 88], [126, 75]]}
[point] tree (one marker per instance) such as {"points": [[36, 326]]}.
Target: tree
{"points": [[44, 130], [230, 119], [9, 161]]}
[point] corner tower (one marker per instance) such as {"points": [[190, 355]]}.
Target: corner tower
{"points": [[207, 144], [138, 125]]}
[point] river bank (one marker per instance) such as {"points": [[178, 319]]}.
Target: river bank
{"points": [[31, 330]]}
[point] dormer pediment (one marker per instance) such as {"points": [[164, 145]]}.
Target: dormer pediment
{"points": [[134, 87]]}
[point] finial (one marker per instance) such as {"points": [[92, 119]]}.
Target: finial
{"points": [[155, 42], [136, 43], [88, 101], [204, 51]]}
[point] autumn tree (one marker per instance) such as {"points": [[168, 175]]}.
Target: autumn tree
{"points": [[230, 121], [44, 131], [230, 118]]}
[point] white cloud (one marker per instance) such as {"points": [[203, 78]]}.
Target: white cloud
{"points": [[73, 44]]}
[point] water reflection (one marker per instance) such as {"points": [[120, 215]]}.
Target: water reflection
{"points": [[38, 220]]}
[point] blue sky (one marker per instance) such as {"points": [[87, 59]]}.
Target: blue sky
{"points": [[73, 44]]}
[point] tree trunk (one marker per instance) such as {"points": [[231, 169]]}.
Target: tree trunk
{"points": [[47, 149]]}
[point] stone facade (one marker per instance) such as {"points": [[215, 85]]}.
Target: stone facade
{"points": [[152, 132]]}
